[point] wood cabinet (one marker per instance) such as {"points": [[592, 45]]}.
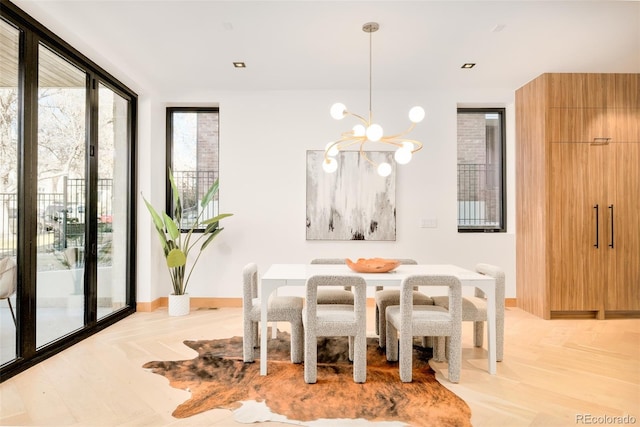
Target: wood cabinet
{"points": [[578, 195]]}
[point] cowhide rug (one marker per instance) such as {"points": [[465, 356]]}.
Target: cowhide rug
{"points": [[218, 378]]}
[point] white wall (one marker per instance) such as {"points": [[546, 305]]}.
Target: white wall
{"points": [[263, 141]]}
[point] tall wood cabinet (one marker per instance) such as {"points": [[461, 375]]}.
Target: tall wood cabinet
{"points": [[578, 195]]}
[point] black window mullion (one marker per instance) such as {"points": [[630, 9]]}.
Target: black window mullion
{"points": [[91, 205], [27, 194]]}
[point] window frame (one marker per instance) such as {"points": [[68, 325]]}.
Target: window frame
{"points": [[502, 226], [169, 153]]}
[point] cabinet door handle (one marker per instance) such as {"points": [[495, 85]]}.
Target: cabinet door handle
{"points": [[597, 245], [611, 215]]}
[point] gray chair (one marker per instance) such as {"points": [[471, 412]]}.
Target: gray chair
{"points": [[389, 297], [333, 296], [323, 320], [474, 309], [408, 320], [281, 309], [8, 282]]}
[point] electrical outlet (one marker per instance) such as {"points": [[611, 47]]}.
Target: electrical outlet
{"points": [[428, 223]]}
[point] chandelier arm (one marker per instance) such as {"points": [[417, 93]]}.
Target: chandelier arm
{"points": [[349, 140], [363, 153], [398, 135], [417, 144], [390, 140], [355, 141], [362, 119]]}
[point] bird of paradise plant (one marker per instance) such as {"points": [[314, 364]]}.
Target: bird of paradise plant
{"points": [[177, 245]]}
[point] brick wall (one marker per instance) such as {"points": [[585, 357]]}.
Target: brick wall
{"points": [[471, 138], [208, 149]]}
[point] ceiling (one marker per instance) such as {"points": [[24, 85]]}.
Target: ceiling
{"points": [[301, 45]]}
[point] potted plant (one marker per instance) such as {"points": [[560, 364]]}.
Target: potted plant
{"points": [[177, 245]]}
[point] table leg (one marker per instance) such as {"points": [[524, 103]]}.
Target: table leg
{"points": [[264, 305], [490, 292]]}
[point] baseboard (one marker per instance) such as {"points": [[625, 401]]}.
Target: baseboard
{"points": [[510, 302], [195, 303]]}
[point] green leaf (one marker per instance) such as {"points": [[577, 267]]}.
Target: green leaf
{"points": [[176, 258], [172, 228], [177, 212], [210, 193], [157, 221], [216, 218], [159, 226], [211, 227], [210, 238]]}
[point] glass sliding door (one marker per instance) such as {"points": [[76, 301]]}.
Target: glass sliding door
{"points": [[61, 204], [113, 139], [67, 194], [10, 38]]}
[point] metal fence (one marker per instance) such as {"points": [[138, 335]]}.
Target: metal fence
{"points": [[192, 186], [60, 217], [478, 196]]}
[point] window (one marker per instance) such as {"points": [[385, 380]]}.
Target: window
{"points": [[481, 177], [192, 156]]}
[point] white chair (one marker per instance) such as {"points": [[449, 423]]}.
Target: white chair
{"points": [[389, 297], [474, 309], [322, 320], [333, 296], [8, 282], [408, 321], [281, 309]]}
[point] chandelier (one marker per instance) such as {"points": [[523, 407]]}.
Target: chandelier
{"points": [[369, 131]]}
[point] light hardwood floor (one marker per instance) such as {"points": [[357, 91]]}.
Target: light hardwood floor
{"points": [[553, 372]]}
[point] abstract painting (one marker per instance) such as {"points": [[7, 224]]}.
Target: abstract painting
{"points": [[354, 202]]}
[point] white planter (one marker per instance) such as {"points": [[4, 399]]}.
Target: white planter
{"points": [[179, 305]]}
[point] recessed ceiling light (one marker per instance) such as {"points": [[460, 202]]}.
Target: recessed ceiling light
{"points": [[239, 65], [468, 65]]}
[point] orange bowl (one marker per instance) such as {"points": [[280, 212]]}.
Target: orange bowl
{"points": [[372, 265]]}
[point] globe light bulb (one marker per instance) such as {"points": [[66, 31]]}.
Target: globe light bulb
{"points": [[337, 110], [332, 149], [384, 169], [330, 165], [416, 114], [402, 156], [358, 130], [374, 132]]}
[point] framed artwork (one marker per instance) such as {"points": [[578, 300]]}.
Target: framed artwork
{"points": [[354, 202]]}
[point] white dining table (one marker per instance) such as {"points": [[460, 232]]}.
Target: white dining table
{"points": [[279, 275]]}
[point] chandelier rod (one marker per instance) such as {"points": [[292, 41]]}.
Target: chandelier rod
{"points": [[370, 74], [370, 27]]}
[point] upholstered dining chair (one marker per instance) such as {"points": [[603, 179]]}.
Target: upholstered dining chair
{"points": [[333, 296], [8, 282], [408, 320], [281, 309], [322, 320], [388, 297], [474, 309]]}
